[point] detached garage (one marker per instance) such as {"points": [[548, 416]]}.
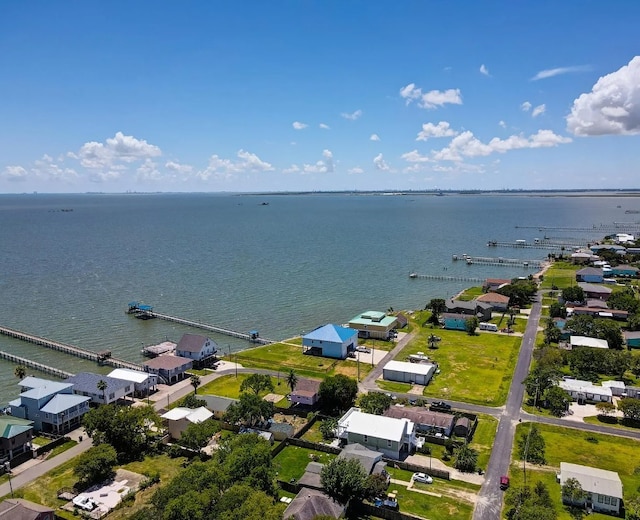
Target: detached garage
{"points": [[403, 372]]}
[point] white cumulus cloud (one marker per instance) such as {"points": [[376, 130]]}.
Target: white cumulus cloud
{"points": [[526, 106], [484, 70], [117, 149], [502, 124], [15, 173], [540, 109], [612, 106], [431, 99], [415, 157], [374, 137], [550, 73], [297, 125], [220, 168], [429, 130], [353, 115], [355, 171], [380, 163], [177, 167], [324, 165], [324, 126]]}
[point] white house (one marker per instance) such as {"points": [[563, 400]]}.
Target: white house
{"points": [[585, 341], [387, 435], [603, 488], [179, 419], [196, 347], [583, 391], [143, 382], [617, 387], [404, 372]]}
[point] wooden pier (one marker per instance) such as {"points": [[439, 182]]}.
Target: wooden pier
{"points": [[147, 314], [446, 278], [507, 262], [103, 358], [616, 226], [530, 245], [62, 374]]}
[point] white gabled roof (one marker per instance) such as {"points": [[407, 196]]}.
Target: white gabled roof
{"points": [[585, 341], [587, 387], [614, 384], [592, 480], [127, 374], [422, 369], [377, 426], [194, 415]]}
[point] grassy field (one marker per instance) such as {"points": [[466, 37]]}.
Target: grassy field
{"points": [[475, 369], [291, 462], [229, 386], [471, 293], [286, 356], [560, 274], [578, 447], [433, 508], [393, 386], [483, 438]]}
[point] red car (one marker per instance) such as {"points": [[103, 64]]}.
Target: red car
{"points": [[504, 482]]}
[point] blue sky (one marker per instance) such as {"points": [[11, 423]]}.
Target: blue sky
{"points": [[309, 95]]}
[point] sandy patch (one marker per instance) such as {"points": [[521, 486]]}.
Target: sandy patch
{"points": [[273, 398]]}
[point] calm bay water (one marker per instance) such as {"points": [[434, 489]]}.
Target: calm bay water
{"points": [[282, 268]]}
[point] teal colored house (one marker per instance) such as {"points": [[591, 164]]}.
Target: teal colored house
{"points": [[632, 338], [455, 321], [331, 341], [625, 270]]}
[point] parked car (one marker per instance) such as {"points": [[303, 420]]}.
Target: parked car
{"points": [[440, 406], [422, 477], [504, 482], [388, 503]]}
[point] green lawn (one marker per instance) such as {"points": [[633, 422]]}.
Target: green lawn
{"points": [[608, 452], [313, 434], [229, 386], [291, 462], [614, 422], [393, 386], [475, 369], [471, 293], [483, 438], [433, 508], [560, 274], [286, 356]]}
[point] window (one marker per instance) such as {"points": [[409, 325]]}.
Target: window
{"points": [[614, 501], [600, 499], [366, 438], [388, 443], [112, 396], [607, 500]]}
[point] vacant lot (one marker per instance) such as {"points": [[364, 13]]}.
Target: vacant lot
{"points": [[560, 275], [474, 369], [589, 449], [291, 462]]}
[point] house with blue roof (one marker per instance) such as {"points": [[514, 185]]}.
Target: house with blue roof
{"points": [[331, 341], [86, 384], [51, 405], [15, 436]]}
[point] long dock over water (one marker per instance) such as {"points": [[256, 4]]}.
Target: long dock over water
{"points": [[146, 312], [616, 226], [446, 278], [533, 245], [103, 358], [62, 374]]}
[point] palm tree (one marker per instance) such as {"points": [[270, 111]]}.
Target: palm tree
{"points": [[20, 372], [195, 382], [292, 380], [102, 386]]}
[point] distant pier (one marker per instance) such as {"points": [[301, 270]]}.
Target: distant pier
{"points": [[507, 262], [103, 357], [536, 245], [62, 374], [446, 278], [147, 312], [616, 226]]}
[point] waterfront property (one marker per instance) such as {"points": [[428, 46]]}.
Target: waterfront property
{"points": [[603, 488], [393, 437], [374, 324], [15, 437], [20, 509], [330, 341], [498, 302], [426, 421], [144, 383], [196, 347], [405, 372], [179, 419], [51, 405], [479, 309], [87, 383], [585, 391], [493, 284], [171, 369]]}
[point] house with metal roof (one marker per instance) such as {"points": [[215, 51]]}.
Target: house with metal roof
{"points": [[585, 391], [178, 419], [15, 436], [585, 341], [170, 369], [374, 324], [51, 405], [603, 488], [144, 383], [86, 384], [330, 341], [196, 347], [405, 372], [393, 437], [21, 509]]}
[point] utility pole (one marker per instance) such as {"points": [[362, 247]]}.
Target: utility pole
{"points": [[7, 468], [358, 363]]}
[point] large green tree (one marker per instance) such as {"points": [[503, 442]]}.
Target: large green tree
{"points": [[625, 301], [128, 429], [466, 458], [96, 464], [437, 306], [556, 400], [198, 435], [520, 292], [338, 393], [250, 410], [257, 383], [572, 491], [574, 293], [374, 402], [343, 479], [630, 408]]}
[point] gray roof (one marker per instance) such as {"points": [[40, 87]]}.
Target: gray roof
{"points": [[456, 316], [467, 305], [88, 382], [368, 458], [62, 402], [20, 509], [592, 480], [631, 334], [589, 270], [216, 403], [600, 289], [311, 477], [168, 363], [310, 503], [422, 416], [192, 342]]}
